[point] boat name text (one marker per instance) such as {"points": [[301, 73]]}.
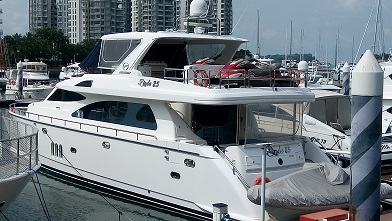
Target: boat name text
{"points": [[149, 83], [318, 140]]}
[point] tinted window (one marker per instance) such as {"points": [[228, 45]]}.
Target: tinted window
{"points": [[113, 52], [63, 95], [117, 112]]}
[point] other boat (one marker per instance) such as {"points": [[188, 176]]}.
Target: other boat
{"points": [[35, 81], [327, 122], [72, 70], [387, 92], [33, 72], [18, 159]]}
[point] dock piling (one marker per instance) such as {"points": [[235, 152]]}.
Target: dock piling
{"points": [[346, 79], [367, 91], [219, 210], [19, 79]]}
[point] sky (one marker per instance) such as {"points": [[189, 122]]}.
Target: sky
{"points": [[320, 20]]}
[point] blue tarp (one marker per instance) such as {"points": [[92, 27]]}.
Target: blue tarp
{"points": [[90, 63]]}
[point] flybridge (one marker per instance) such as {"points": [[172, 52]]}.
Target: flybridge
{"points": [[128, 51]]}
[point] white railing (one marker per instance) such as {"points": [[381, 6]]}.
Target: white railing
{"points": [[18, 148], [77, 125], [229, 77]]}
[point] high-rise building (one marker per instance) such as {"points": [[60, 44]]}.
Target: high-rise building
{"points": [[153, 15], [42, 14], [81, 19], [104, 17], [221, 10], [74, 21], [62, 16], [90, 19]]}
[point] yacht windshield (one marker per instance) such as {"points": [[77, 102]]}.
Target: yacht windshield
{"points": [[269, 121], [197, 51]]}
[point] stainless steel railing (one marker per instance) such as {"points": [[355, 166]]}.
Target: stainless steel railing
{"points": [[18, 147]]}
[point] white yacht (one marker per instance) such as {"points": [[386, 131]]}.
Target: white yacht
{"points": [[33, 72], [158, 130], [327, 122], [72, 70], [20, 88], [387, 93]]}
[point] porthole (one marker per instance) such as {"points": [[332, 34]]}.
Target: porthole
{"points": [[189, 163], [175, 175]]}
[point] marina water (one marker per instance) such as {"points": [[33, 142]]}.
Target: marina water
{"points": [[67, 202]]}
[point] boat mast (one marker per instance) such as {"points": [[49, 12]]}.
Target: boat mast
{"points": [[258, 34], [302, 46], [336, 49], [376, 27], [291, 40], [3, 65], [352, 51]]}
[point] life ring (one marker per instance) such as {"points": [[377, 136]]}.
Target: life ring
{"points": [[297, 78], [258, 181], [11, 82], [200, 75]]}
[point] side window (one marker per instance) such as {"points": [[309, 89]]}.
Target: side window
{"points": [[117, 112], [145, 115], [63, 95]]}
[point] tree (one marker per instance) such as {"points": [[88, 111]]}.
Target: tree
{"points": [[48, 45]]}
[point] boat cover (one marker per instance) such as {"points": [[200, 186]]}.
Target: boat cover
{"points": [[91, 61], [320, 184]]}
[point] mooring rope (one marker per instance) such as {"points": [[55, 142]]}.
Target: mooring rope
{"points": [[76, 170], [41, 197], [4, 215]]}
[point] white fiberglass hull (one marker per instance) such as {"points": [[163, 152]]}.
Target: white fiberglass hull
{"points": [[335, 141], [150, 172], [11, 187], [38, 92]]}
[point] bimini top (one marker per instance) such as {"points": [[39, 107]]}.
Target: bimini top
{"points": [[123, 52]]}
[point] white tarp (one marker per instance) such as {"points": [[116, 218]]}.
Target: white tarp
{"points": [[316, 185]]}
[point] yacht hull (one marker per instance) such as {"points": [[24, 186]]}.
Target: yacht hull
{"points": [[152, 173]]}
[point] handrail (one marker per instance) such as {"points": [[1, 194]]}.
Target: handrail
{"points": [[246, 76], [235, 170], [18, 111]]}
